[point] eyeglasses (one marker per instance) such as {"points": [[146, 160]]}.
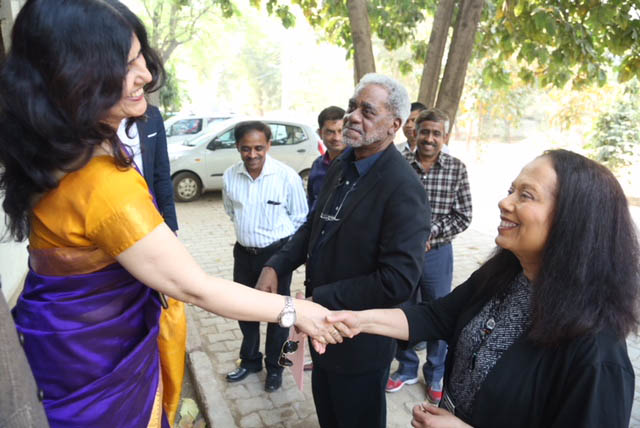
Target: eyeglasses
{"points": [[334, 217], [288, 347]]}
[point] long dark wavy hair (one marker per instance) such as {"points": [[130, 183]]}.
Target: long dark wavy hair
{"points": [[65, 70], [590, 273]]}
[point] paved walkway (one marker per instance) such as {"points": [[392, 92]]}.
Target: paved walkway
{"points": [[214, 342]]}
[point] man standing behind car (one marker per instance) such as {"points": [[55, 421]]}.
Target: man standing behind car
{"points": [[265, 200], [330, 131]]}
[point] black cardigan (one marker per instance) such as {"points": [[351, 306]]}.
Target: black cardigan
{"points": [[587, 382]]}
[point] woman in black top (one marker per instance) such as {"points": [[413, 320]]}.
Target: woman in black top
{"points": [[537, 334]]}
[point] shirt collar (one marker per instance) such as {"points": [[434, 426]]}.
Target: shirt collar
{"points": [[267, 169], [363, 165], [326, 159], [443, 160]]}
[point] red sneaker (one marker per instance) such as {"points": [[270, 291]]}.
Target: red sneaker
{"points": [[396, 382], [434, 396]]}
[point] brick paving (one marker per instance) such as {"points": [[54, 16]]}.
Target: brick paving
{"points": [[214, 342]]}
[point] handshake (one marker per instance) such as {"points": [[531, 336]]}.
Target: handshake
{"points": [[325, 327]]}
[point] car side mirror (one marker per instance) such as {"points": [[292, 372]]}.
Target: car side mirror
{"points": [[213, 144]]}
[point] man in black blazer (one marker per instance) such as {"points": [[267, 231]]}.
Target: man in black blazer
{"points": [[363, 245], [155, 164]]}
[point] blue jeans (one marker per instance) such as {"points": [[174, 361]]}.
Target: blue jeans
{"points": [[435, 282]]}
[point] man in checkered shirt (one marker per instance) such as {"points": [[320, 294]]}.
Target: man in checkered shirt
{"points": [[445, 179]]}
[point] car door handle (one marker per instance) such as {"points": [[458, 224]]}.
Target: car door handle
{"points": [[302, 150]]}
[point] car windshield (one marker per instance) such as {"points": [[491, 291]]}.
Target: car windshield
{"points": [[185, 127], [213, 129]]}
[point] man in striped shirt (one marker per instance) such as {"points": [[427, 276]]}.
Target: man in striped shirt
{"points": [[266, 201], [444, 177]]}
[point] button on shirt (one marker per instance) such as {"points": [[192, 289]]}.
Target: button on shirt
{"points": [[267, 209], [447, 186]]}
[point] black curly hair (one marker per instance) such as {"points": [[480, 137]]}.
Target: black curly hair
{"points": [[64, 71]]}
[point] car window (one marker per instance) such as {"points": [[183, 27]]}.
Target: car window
{"points": [[227, 140], [185, 127], [283, 135]]}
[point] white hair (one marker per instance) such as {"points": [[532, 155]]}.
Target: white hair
{"points": [[398, 101]]}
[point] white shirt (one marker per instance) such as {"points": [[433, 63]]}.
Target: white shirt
{"points": [[267, 209], [133, 142]]}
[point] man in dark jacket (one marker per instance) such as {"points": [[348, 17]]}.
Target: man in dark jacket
{"points": [[363, 246], [330, 130]]}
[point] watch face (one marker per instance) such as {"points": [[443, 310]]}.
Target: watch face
{"points": [[288, 318]]}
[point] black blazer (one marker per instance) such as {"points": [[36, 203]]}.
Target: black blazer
{"points": [[372, 258], [155, 163]]}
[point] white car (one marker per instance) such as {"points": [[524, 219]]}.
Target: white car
{"points": [[183, 128], [197, 165]]}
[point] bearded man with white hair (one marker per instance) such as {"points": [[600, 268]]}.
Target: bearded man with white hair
{"points": [[363, 245]]}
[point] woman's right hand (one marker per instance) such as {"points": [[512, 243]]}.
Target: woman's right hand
{"points": [[428, 416]]}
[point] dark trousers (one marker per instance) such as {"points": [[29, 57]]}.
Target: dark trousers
{"points": [[246, 270], [435, 282], [350, 400]]}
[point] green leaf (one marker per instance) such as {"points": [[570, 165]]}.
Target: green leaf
{"points": [[520, 7]]}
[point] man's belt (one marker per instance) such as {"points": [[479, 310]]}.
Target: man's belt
{"points": [[255, 251], [439, 245]]}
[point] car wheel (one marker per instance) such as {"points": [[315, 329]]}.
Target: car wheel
{"points": [[305, 178], [186, 187]]}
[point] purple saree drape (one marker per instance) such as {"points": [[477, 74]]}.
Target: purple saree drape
{"points": [[91, 341]]}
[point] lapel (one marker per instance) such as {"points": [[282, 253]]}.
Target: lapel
{"points": [[363, 188], [146, 147]]}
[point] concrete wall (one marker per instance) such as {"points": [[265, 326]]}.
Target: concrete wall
{"points": [[8, 11], [13, 266], [13, 256]]}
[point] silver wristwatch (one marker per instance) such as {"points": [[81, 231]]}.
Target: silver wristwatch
{"points": [[287, 317]]}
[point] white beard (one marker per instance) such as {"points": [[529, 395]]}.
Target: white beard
{"points": [[366, 140]]}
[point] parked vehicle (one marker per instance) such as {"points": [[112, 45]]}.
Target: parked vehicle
{"points": [[197, 165], [180, 128]]}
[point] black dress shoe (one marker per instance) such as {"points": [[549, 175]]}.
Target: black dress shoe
{"points": [[273, 382], [240, 373]]}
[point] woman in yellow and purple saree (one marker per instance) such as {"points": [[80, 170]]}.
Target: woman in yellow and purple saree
{"points": [[99, 250]]}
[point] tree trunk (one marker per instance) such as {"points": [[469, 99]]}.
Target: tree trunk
{"points": [[363, 60], [459, 55], [437, 42]]}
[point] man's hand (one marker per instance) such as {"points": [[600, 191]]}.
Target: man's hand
{"points": [[428, 416], [268, 280], [346, 322]]}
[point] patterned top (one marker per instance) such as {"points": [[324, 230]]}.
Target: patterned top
{"points": [[483, 341], [447, 186]]}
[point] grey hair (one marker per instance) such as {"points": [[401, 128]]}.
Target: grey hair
{"points": [[398, 101]]}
